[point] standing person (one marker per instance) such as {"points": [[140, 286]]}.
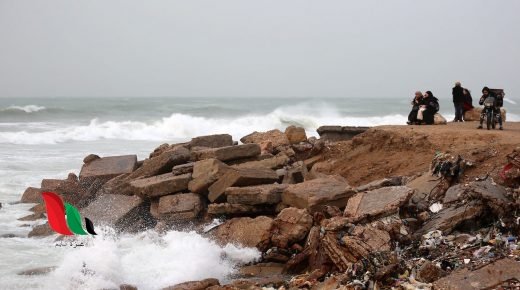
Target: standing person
{"points": [[416, 103], [468, 102], [431, 104], [458, 101]]}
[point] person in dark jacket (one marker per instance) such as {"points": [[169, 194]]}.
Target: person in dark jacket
{"points": [[416, 103], [486, 92], [431, 103], [458, 102], [468, 101]]}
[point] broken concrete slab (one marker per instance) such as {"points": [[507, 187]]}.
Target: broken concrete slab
{"points": [[162, 163], [114, 210], [240, 177], [212, 141], [339, 133], [228, 153], [160, 185], [180, 207], [245, 231], [494, 194], [183, 168], [254, 195], [358, 243], [107, 167], [275, 162], [205, 173], [290, 226], [385, 182], [377, 203], [317, 193], [487, 277], [448, 218], [423, 186]]}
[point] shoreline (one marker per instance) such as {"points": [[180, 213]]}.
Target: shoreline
{"points": [[277, 189]]}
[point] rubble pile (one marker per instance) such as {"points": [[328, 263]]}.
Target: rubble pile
{"points": [[315, 231]]}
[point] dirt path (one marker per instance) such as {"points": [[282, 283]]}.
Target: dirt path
{"points": [[406, 150]]}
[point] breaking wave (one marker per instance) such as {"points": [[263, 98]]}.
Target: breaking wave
{"points": [[182, 127], [25, 109], [107, 261]]}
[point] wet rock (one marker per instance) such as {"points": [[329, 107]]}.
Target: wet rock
{"points": [[183, 169], [41, 231], [157, 165], [339, 133], [32, 195], [8, 236], [377, 203], [275, 162], [246, 231], [179, 207], [487, 277], [32, 217], [240, 177], [228, 153], [107, 167], [295, 134], [39, 208], [429, 272], [36, 271], [115, 210], [317, 193], [296, 173], [254, 195], [276, 137], [212, 141], [239, 209], [205, 173], [160, 185], [50, 184], [194, 285], [449, 218], [385, 182], [89, 158], [290, 226]]}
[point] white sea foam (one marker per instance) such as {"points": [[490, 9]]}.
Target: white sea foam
{"points": [[26, 109], [182, 126], [508, 100], [146, 260]]}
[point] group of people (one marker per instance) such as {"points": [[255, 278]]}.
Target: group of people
{"points": [[425, 106]]}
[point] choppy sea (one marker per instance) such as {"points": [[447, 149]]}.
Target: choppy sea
{"points": [[48, 138]]}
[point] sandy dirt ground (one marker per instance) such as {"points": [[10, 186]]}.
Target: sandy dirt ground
{"points": [[408, 150]]}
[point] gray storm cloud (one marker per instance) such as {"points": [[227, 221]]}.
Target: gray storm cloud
{"points": [[256, 48]]}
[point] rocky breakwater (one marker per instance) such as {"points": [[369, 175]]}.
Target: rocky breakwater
{"points": [[314, 230]]}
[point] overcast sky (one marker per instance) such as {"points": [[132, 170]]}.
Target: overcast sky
{"points": [[257, 48]]}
